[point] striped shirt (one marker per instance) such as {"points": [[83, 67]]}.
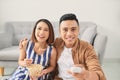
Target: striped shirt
{"points": [[22, 72]]}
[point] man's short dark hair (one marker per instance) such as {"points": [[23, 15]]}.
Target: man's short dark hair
{"points": [[69, 16]]}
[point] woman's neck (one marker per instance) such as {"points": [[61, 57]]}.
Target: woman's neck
{"points": [[41, 45]]}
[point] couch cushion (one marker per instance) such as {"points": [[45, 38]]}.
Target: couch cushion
{"points": [[56, 29], [5, 40], [89, 34], [88, 30], [10, 53], [19, 30]]}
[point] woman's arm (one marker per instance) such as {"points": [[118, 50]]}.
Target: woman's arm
{"points": [[52, 62], [22, 61]]}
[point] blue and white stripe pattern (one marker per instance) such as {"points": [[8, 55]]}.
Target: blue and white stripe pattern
{"points": [[22, 73]]}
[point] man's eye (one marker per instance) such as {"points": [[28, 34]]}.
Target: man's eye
{"points": [[73, 29], [65, 30]]}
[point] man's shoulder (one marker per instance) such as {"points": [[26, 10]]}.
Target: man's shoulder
{"points": [[58, 41], [85, 44]]}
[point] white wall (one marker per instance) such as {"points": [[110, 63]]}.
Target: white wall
{"points": [[106, 13]]}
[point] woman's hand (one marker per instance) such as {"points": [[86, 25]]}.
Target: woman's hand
{"points": [[44, 72], [27, 62], [33, 78]]}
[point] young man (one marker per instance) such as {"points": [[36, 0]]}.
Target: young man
{"points": [[71, 51]]}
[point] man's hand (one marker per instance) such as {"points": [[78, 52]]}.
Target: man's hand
{"points": [[81, 75], [23, 43]]}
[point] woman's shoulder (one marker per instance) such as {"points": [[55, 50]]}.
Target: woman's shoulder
{"points": [[51, 46], [28, 43]]}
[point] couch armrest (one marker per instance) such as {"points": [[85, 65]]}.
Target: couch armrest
{"points": [[100, 45], [5, 40]]}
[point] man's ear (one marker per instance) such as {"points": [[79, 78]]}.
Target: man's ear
{"points": [[59, 31]]}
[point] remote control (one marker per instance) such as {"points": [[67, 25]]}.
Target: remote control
{"points": [[76, 69]]}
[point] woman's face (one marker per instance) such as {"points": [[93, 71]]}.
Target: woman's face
{"points": [[42, 32]]}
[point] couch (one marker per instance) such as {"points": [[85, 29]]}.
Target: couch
{"points": [[15, 31]]}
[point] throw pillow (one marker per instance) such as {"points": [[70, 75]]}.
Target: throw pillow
{"points": [[89, 34]]}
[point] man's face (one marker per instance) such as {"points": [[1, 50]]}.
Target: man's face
{"points": [[69, 31]]}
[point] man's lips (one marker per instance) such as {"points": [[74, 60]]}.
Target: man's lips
{"points": [[69, 39]]}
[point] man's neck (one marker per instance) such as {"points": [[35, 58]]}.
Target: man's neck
{"points": [[69, 46]]}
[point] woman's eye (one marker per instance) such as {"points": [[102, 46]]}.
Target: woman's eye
{"points": [[39, 28], [46, 30]]}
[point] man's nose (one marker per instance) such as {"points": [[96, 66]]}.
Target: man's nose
{"points": [[69, 32]]}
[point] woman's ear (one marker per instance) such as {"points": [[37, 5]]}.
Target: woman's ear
{"points": [[78, 29]]}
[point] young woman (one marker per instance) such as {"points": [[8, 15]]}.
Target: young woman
{"points": [[37, 50]]}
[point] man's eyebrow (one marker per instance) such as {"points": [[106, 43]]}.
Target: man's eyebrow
{"points": [[73, 27]]}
